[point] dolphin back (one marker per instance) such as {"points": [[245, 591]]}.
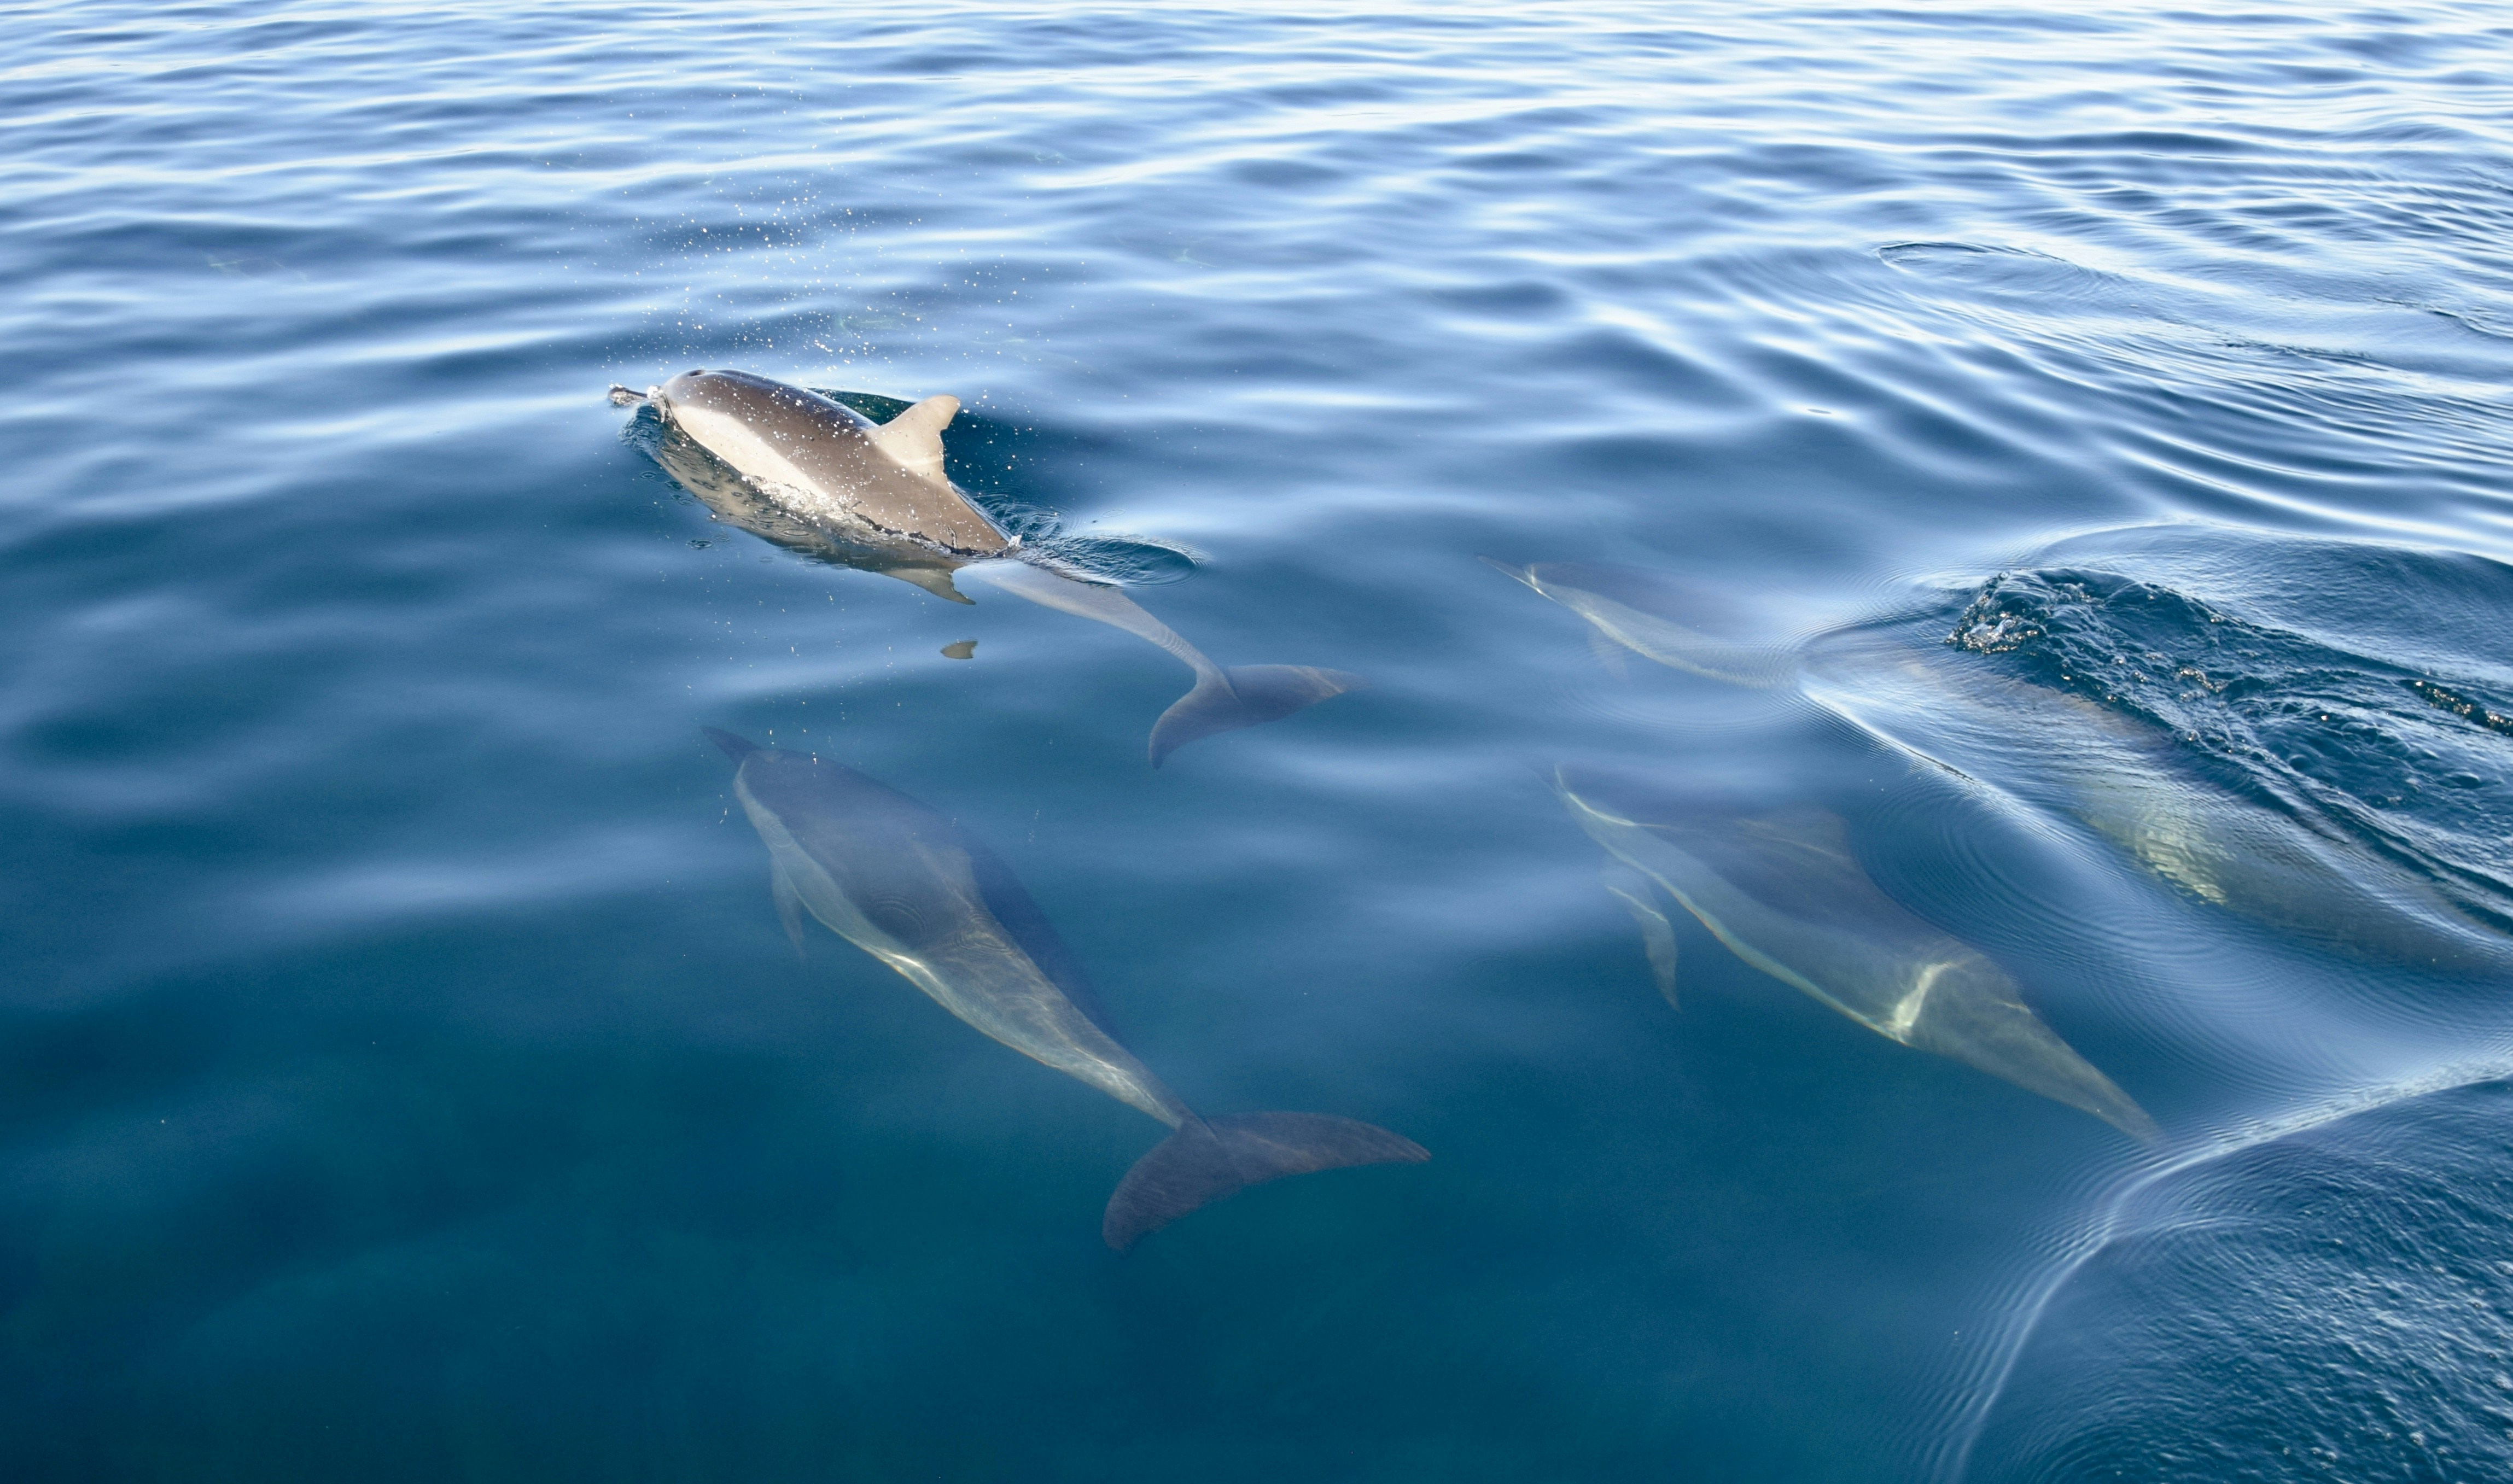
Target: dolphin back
{"points": [[825, 459], [1208, 1158], [1018, 913]]}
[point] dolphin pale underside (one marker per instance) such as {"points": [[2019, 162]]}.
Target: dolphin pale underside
{"points": [[922, 896], [816, 476], [1782, 890]]}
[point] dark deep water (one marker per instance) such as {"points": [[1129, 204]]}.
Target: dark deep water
{"points": [[403, 1074]]}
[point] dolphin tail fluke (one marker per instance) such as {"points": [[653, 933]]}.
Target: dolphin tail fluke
{"points": [[1208, 1158], [1244, 696]]}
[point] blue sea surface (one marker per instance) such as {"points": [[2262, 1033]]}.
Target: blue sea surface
{"points": [[404, 1073]]}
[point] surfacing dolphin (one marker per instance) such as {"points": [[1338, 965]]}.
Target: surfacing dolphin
{"points": [[817, 476], [1784, 892], [1937, 705], [915, 890]]}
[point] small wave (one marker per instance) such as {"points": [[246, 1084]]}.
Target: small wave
{"points": [[1132, 560], [1998, 269], [2322, 1300], [2349, 744], [2460, 705]]}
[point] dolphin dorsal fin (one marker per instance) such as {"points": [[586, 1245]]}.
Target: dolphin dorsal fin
{"points": [[914, 437]]}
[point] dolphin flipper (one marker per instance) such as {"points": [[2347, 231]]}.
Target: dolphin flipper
{"points": [[934, 580], [1611, 656], [1244, 696], [1658, 934], [789, 908], [1208, 1158]]}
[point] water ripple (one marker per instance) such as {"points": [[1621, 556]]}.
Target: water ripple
{"points": [[399, 1035]]}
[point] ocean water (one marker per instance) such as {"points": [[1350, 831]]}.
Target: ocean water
{"points": [[2098, 419]]}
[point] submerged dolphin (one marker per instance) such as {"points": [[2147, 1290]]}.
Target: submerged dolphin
{"points": [[1651, 618], [816, 475], [2121, 781], [915, 890], [1942, 706], [1784, 892]]}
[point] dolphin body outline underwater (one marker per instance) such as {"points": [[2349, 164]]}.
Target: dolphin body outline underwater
{"points": [[822, 477], [2048, 750], [925, 897], [1783, 890]]}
